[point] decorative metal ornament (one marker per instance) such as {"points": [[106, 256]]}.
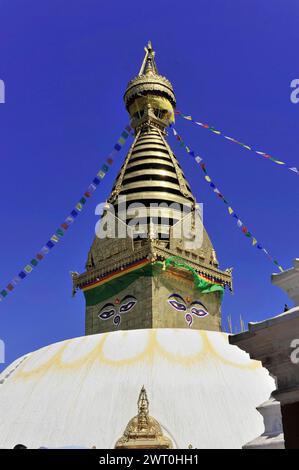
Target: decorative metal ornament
{"points": [[143, 431]]}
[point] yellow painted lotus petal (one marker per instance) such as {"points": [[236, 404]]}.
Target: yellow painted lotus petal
{"points": [[43, 357], [219, 344], [79, 348], [118, 346], [173, 342]]}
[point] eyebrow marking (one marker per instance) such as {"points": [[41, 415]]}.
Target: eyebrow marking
{"points": [[198, 302], [107, 305], [128, 297], [177, 296]]}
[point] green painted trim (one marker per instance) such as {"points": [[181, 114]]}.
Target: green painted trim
{"points": [[115, 286]]}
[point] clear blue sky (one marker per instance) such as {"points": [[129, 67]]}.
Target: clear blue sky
{"points": [[66, 64]]}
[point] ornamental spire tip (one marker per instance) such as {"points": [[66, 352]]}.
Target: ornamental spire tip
{"points": [[148, 65]]}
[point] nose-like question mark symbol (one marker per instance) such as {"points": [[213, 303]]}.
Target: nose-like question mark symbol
{"points": [[189, 319]]}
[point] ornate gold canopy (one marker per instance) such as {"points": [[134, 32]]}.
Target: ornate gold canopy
{"points": [[149, 97], [143, 431]]}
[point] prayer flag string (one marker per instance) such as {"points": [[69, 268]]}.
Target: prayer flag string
{"points": [[231, 211], [58, 234], [231, 139]]}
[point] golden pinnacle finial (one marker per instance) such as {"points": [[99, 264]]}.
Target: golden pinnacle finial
{"points": [[143, 409], [149, 97], [143, 431], [143, 403], [148, 65]]}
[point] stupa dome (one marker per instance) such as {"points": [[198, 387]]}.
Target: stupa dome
{"points": [[82, 392]]}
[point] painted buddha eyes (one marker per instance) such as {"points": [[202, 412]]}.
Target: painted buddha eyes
{"points": [[196, 307], [178, 305], [114, 310], [127, 304], [107, 312]]}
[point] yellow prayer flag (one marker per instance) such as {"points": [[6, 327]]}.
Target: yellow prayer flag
{"points": [[28, 268], [215, 132], [101, 174]]}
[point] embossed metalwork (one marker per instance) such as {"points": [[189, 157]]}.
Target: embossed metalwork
{"points": [[117, 186], [181, 178], [143, 431], [149, 97]]}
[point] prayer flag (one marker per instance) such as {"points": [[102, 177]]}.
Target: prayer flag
{"points": [[28, 268], [96, 181], [74, 213]]}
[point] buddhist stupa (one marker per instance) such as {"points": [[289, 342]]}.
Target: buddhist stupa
{"points": [[153, 320]]}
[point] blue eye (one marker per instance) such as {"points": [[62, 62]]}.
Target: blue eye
{"points": [[200, 312], [177, 305], [128, 306], [106, 312]]}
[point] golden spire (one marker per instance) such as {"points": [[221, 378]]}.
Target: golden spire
{"points": [[143, 431], [151, 172], [143, 410], [148, 65], [149, 97]]}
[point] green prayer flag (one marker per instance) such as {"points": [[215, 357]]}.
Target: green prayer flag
{"points": [[111, 288]]}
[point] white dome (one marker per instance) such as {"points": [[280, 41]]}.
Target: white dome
{"points": [[83, 391]]}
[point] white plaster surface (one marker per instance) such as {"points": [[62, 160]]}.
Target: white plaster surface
{"points": [[83, 391]]}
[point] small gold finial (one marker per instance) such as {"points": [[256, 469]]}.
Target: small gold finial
{"points": [[149, 97], [148, 65], [143, 431], [143, 402], [143, 409]]}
